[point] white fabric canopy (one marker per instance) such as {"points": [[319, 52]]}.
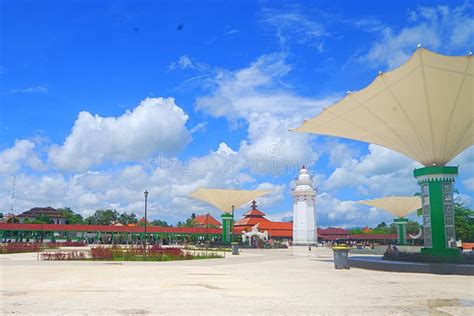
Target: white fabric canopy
{"points": [[225, 199], [397, 205], [424, 109]]}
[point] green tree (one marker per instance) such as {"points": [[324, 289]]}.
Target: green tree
{"points": [[354, 231], [71, 217], [42, 219], [464, 222], [13, 219], [189, 222], [1, 215], [412, 227], [159, 222], [102, 217], [126, 219], [382, 228]]}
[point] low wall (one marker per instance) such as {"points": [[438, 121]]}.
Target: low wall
{"points": [[376, 263], [400, 248]]}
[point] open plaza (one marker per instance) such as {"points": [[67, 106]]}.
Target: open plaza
{"points": [[249, 179], [256, 282]]}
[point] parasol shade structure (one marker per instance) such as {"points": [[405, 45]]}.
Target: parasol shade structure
{"points": [[225, 199], [424, 109], [397, 205]]}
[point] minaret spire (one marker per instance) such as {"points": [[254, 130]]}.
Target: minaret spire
{"points": [[254, 205]]}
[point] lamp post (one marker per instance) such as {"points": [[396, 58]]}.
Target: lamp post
{"points": [[146, 201], [207, 228], [232, 226]]}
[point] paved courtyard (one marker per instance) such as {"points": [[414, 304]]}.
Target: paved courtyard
{"points": [[290, 281]]}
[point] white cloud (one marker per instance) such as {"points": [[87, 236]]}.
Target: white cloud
{"points": [[200, 127], [294, 25], [185, 62], [257, 88], [36, 89], [168, 180], [465, 160], [271, 149], [380, 172], [277, 194], [440, 27], [257, 96], [156, 125], [21, 154], [334, 212]]}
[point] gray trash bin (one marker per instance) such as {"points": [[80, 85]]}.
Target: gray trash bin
{"points": [[341, 257], [235, 248]]}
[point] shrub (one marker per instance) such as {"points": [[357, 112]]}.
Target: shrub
{"points": [[101, 253], [17, 247], [158, 250], [66, 244]]}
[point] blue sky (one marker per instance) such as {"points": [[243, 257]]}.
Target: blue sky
{"points": [[102, 99]]}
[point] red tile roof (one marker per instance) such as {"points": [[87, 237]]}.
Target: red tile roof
{"points": [[250, 221], [109, 228], [254, 212], [332, 231], [37, 211], [205, 220]]}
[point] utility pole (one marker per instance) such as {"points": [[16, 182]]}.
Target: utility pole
{"points": [[146, 201], [13, 195]]}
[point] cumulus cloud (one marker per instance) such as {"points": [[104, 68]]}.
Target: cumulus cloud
{"points": [[168, 180], [451, 29], [21, 154], [257, 88], [380, 172], [257, 95], [156, 125], [332, 211]]}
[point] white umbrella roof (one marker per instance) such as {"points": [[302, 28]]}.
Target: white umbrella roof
{"points": [[424, 109], [397, 205], [225, 199]]}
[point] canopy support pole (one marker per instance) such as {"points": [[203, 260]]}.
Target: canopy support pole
{"points": [[401, 224], [437, 202]]}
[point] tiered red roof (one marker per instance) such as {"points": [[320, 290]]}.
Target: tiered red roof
{"points": [[254, 213], [206, 220], [254, 217]]}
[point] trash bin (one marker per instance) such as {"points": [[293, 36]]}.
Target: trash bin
{"points": [[235, 248], [341, 257]]}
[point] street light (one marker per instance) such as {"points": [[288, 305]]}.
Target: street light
{"points": [[232, 226], [146, 201]]}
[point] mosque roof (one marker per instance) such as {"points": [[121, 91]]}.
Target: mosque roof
{"points": [[206, 219], [254, 212], [250, 221]]}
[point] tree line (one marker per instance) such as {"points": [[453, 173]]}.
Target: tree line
{"points": [[463, 218], [463, 225]]}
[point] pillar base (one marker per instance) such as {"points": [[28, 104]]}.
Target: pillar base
{"points": [[444, 252]]}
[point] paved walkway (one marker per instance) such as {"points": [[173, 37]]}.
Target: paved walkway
{"points": [[269, 282]]}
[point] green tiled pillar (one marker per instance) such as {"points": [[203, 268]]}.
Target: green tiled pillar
{"points": [[438, 209], [401, 224]]}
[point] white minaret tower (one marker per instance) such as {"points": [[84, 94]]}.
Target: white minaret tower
{"points": [[304, 221]]}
